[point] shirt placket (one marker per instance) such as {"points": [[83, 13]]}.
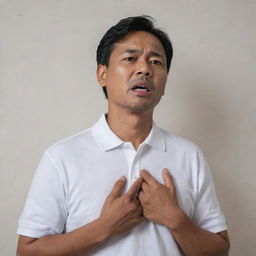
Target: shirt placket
{"points": [[133, 158]]}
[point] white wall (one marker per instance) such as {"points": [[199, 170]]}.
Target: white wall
{"points": [[48, 91]]}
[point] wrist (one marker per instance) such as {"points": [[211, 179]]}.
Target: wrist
{"points": [[104, 228], [176, 220]]}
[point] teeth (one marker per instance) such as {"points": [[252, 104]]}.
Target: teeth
{"points": [[140, 89]]}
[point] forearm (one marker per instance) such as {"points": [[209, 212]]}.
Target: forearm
{"points": [[118, 215], [195, 241], [75, 243]]}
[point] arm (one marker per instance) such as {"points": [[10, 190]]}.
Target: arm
{"points": [[76, 242], [119, 214], [195, 241], [160, 205]]}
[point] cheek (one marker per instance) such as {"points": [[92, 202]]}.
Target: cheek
{"points": [[118, 78], [164, 78], [120, 70], [162, 83]]}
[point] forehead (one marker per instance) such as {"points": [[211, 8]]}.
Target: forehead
{"points": [[140, 40]]}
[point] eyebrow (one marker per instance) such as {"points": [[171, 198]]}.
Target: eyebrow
{"points": [[151, 53]]}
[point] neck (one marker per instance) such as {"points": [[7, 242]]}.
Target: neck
{"points": [[130, 126]]}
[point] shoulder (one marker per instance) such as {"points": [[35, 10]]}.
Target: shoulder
{"points": [[179, 144], [71, 144]]}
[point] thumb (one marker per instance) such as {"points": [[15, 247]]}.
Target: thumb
{"points": [[167, 178], [117, 188], [135, 187]]}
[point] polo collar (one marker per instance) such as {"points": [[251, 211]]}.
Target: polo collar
{"points": [[108, 140]]}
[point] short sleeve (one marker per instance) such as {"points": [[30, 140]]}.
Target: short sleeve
{"points": [[207, 213], [45, 210]]}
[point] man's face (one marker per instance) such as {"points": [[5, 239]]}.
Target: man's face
{"points": [[136, 75]]}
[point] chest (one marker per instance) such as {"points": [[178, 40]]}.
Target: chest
{"points": [[90, 178]]}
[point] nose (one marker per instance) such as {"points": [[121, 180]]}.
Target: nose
{"points": [[143, 68]]}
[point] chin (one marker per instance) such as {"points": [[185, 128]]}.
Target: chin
{"points": [[142, 108]]}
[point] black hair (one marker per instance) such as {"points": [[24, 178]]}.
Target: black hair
{"points": [[122, 29]]}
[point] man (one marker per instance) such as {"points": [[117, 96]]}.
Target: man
{"points": [[125, 186]]}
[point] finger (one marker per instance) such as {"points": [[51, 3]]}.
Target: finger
{"points": [[145, 187], [118, 187], [148, 177], [167, 178], [145, 214], [139, 211], [141, 197], [135, 187]]}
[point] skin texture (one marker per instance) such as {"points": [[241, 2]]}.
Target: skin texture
{"points": [[134, 59], [159, 201], [122, 212], [130, 115], [160, 205], [139, 58]]}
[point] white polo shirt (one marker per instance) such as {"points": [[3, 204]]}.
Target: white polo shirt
{"points": [[76, 174]]}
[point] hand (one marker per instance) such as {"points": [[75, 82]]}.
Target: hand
{"points": [[121, 213], [159, 201]]}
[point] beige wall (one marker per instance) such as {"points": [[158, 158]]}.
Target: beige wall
{"points": [[48, 91]]}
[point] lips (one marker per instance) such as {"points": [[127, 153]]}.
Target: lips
{"points": [[142, 86]]}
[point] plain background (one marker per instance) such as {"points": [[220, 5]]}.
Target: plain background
{"points": [[48, 91]]}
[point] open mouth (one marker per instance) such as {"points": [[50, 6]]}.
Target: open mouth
{"points": [[141, 88]]}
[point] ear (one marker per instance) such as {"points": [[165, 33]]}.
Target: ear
{"points": [[101, 74]]}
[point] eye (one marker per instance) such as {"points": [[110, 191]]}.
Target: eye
{"points": [[156, 62], [129, 59]]}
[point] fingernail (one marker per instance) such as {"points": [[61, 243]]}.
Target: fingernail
{"points": [[122, 178], [165, 170]]}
